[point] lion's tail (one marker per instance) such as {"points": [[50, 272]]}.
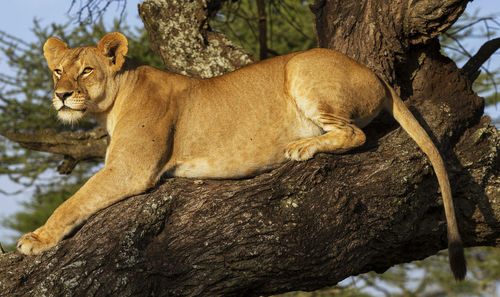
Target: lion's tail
{"points": [[405, 118]]}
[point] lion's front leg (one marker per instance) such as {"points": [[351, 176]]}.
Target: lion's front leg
{"points": [[106, 187], [133, 164]]}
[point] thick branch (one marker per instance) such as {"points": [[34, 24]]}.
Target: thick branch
{"points": [[471, 68], [180, 34]]}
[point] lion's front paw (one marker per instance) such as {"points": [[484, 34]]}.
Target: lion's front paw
{"points": [[34, 244], [302, 149]]}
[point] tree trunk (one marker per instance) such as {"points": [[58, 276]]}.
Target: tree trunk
{"points": [[306, 224]]}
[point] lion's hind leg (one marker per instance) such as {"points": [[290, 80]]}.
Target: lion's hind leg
{"points": [[341, 135]]}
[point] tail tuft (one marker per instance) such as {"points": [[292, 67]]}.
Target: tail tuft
{"points": [[457, 259]]}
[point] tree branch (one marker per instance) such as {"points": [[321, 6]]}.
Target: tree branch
{"points": [[75, 146], [471, 68]]}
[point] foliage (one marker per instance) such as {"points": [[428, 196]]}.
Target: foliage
{"points": [[290, 25]]}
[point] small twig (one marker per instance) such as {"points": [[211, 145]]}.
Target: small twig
{"points": [[67, 165], [462, 50], [92, 10], [290, 19], [1, 248], [454, 31], [375, 286]]}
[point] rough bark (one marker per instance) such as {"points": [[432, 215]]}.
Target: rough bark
{"points": [[379, 33], [304, 225], [180, 34]]}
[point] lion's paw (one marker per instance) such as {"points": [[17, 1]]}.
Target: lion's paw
{"points": [[33, 244], [302, 149]]}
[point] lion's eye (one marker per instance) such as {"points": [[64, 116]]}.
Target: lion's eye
{"points": [[58, 72], [87, 70]]}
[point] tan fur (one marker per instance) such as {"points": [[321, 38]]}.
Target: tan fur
{"points": [[233, 126]]}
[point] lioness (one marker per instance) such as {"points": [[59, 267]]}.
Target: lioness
{"points": [[232, 126]]}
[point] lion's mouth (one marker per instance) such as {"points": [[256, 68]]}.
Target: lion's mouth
{"points": [[67, 108]]}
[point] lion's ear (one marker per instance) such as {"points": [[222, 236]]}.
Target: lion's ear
{"points": [[115, 47], [52, 50]]}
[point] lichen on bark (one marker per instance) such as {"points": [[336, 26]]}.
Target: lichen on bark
{"points": [[180, 34]]}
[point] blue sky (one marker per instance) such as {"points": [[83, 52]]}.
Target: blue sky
{"points": [[16, 18]]}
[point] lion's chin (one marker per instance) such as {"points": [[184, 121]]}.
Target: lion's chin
{"points": [[70, 116]]}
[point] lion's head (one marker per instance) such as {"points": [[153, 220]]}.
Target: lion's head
{"points": [[84, 76]]}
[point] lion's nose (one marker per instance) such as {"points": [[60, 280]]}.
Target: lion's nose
{"points": [[63, 95]]}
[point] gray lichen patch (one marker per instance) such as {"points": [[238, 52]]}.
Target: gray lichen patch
{"points": [[76, 264], [183, 42], [291, 203], [293, 197], [129, 253], [71, 283]]}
